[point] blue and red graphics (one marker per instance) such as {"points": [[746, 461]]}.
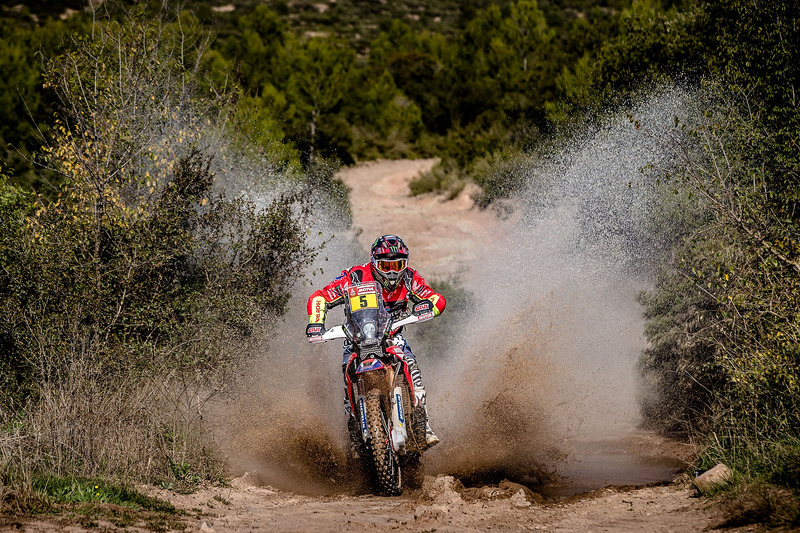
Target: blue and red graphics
{"points": [[368, 365]]}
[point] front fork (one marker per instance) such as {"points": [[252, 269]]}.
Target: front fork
{"points": [[397, 430]]}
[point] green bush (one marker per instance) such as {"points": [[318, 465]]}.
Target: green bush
{"points": [[129, 299], [84, 490], [723, 321], [444, 177]]}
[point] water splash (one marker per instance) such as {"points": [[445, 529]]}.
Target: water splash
{"points": [[546, 363], [552, 352]]}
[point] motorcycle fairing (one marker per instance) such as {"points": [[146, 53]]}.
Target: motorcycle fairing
{"points": [[367, 365]]}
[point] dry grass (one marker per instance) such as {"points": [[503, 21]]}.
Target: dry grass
{"points": [[148, 429], [761, 504]]}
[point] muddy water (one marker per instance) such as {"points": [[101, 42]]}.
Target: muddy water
{"points": [[637, 459], [590, 471]]}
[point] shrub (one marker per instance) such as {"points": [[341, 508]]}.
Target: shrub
{"points": [[129, 299], [730, 295]]}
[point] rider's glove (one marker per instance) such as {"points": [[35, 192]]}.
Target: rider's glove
{"points": [[315, 330]]}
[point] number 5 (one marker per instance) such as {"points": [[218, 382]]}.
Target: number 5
{"points": [[363, 301]]}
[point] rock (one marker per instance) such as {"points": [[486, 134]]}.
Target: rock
{"points": [[248, 481], [244, 481], [531, 496], [519, 499], [205, 528], [442, 489], [716, 476]]}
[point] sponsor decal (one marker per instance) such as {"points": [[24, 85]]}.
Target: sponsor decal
{"points": [[315, 339], [314, 329], [361, 289], [356, 276], [363, 409], [400, 414], [422, 307], [426, 316]]}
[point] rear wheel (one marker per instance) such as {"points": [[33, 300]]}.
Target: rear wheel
{"points": [[387, 469]]}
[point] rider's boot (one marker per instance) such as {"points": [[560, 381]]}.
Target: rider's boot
{"points": [[430, 437], [419, 391]]}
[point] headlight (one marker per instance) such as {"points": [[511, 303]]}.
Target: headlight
{"points": [[369, 331]]}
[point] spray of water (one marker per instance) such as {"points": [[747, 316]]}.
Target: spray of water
{"points": [[548, 359]]}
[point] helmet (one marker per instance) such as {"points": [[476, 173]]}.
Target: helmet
{"points": [[389, 260]]}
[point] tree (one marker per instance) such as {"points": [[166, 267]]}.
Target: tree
{"points": [[526, 30], [319, 81], [257, 49]]}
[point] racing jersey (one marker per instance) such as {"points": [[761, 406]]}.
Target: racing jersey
{"points": [[411, 287]]}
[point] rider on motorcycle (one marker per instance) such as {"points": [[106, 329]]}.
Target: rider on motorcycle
{"points": [[388, 266]]}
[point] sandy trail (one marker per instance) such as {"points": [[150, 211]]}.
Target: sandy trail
{"points": [[444, 237], [442, 506]]}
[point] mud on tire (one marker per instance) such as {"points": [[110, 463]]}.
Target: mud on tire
{"points": [[387, 469]]}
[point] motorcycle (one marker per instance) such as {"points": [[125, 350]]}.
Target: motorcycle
{"points": [[391, 418]]}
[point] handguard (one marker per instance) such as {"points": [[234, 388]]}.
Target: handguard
{"points": [[336, 332], [314, 332], [422, 311]]}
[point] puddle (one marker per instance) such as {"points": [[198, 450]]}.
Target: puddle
{"points": [[594, 471], [631, 460]]}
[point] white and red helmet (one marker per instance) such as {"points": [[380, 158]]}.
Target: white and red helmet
{"points": [[389, 260]]}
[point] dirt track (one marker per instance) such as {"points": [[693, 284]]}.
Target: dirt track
{"points": [[441, 508], [444, 237]]}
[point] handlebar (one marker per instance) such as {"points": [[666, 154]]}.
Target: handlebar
{"points": [[339, 332]]}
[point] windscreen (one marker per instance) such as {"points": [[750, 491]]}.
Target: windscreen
{"points": [[367, 313]]}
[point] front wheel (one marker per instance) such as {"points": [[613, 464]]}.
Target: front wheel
{"points": [[387, 469]]}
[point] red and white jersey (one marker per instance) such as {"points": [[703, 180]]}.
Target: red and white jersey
{"points": [[412, 287]]}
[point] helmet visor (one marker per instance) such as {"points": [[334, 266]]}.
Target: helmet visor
{"points": [[390, 265]]}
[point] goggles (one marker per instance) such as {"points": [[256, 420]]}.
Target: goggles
{"points": [[390, 265]]}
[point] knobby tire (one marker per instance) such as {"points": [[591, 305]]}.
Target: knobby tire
{"points": [[387, 469]]}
